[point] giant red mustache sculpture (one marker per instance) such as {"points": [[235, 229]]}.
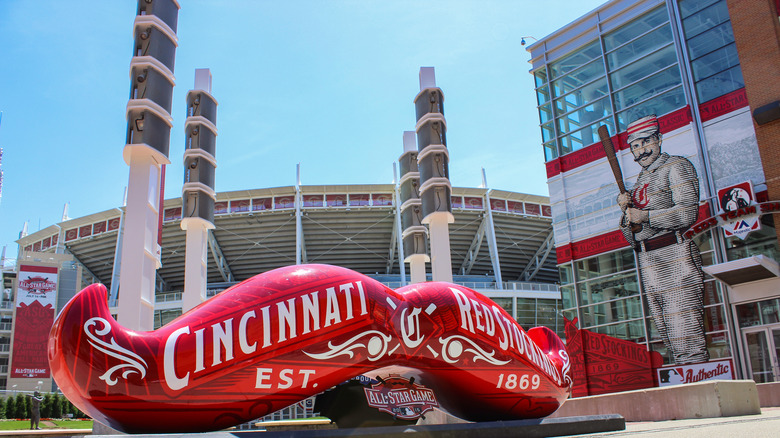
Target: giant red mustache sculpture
{"points": [[288, 334]]}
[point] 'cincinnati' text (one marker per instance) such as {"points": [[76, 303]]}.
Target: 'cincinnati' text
{"points": [[268, 326]]}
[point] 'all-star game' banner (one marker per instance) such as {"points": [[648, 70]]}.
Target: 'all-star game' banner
{"points": [[36, 296]]}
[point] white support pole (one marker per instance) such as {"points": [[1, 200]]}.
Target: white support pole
{"points": [[298, 213], [491, 235], [140, 250], [441, 263], [417, 268], [398, 227], [195, 261]]}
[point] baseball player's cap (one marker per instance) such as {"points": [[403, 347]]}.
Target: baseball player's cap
{"points": [[642, 128]]}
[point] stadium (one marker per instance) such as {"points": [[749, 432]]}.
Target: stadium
{"points": [[353, 226]]}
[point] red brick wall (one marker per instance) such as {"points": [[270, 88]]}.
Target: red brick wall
{"points": [[757, 35]]}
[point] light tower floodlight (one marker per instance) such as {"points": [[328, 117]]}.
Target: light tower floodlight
{"points": [[198, 195], [433, 164], [146, 152]]}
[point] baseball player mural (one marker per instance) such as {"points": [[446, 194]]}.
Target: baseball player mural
{"points": [[663, 204]]}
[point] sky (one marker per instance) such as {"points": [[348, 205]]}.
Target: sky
{"points": [[327, 84]]}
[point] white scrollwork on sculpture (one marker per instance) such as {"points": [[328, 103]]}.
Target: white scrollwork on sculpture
{"points": [[376, 346], [566, 367], [452, 348], [131, 362]]}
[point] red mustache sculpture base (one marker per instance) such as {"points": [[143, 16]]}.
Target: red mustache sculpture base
{"points": [[285, 335]]}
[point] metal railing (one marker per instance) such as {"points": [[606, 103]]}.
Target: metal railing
{"points": [[508, 286], [523, 286]]}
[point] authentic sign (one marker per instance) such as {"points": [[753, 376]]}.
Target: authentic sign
{"points": [[684, 374]]}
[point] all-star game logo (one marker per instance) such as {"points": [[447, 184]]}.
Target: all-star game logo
{"points": [[737, 202], [37, 286], [401, 397]]}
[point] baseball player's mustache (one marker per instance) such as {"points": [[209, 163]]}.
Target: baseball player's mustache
{"points": [[644, 155], [285, 335]]}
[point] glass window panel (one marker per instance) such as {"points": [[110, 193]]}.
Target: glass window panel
{"points": [[605, 264], [714, 319], [663, 104], [635, 28], [578, 78], [720, 84], [643, 67], [576, 59], [570, 314], [586, 136], [712, 293], [652, 330], [584, 116], [566, 273], [688, 7], [759, 360], [648, 87], [567, 296], [542, 95], [711, 40], [547, 315], [567, 145], [545, 113], [715, 62], [748, 315], [705, 19], [548, 132], [704, 241], [640, 47], [608, 288], [568, 103], [526, 312], [540, 77], [629, 330], [505, 303], [718, 345], [570, 144], [550, 151], [660, 348], [163, 317], [708, 259], [770, 311]]}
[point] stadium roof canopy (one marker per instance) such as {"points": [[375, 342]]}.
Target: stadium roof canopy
{"points": [[353, 226]]}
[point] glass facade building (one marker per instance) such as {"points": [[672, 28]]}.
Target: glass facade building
{"points": [[676, 59]]}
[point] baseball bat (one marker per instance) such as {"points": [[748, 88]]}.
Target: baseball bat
{"points": [[609, 149]]}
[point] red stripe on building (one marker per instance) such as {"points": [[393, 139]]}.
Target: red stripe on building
{"points": [[606, 242], [592, 246], [46, 269], [723, 105], [667, 123]]}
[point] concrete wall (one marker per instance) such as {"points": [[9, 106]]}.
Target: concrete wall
{"points": [[769, 394], [722, 398]]}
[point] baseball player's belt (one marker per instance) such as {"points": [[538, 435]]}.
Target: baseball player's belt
{"points": [[661, 241]]}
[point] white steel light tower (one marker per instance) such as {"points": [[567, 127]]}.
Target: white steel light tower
{"points": [[146, 152], [414, 234], [198, 193], [433, 164]]}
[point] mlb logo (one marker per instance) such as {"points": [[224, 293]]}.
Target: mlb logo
{"points": [[736, 199]]}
